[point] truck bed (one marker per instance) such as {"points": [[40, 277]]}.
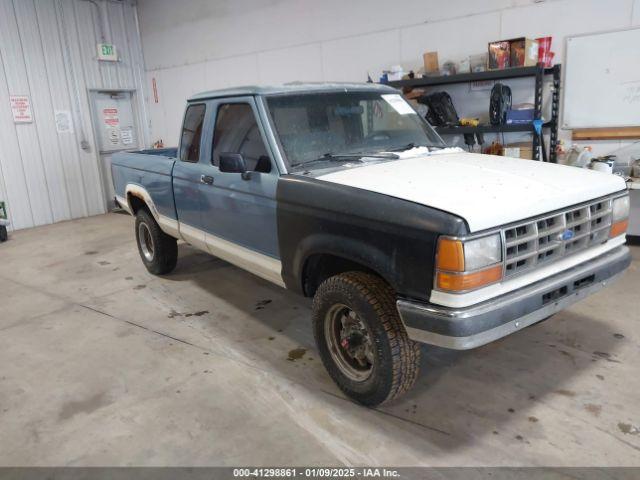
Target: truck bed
{"points": [[150, 169], [160, 152]]}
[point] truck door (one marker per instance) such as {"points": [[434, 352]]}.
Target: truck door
{"points": [[188, 173], [240, 207]]}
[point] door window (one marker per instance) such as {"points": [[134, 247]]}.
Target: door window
{"points": [[237, 131], [192, 133]]}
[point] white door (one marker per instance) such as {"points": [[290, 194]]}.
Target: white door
{"points": [[115, 129]]}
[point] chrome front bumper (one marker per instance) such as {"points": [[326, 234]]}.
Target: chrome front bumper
{"points": [[471, 327]]}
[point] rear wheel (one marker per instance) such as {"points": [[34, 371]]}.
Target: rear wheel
{"points": [[158, 251], [361, 339]]}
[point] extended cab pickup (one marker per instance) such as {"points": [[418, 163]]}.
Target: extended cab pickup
{"points": [[343, 193]]}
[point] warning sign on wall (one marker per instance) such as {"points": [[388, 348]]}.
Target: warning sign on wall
{"points": [[114, 136], [110, 117], [64, 122], [127, 136], [21, 108]]}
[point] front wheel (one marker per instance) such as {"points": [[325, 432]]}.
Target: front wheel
{"points": [[361, 339], [158, 251]]}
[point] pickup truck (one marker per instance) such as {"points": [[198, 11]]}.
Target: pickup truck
{"points": [[344, 193]]}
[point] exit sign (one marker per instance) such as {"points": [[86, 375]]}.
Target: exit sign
{"points": [[107, 52]]}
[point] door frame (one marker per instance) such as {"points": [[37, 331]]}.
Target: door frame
{"points": [[108, 203]]}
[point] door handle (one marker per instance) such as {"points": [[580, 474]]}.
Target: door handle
{"points": [[206, 179]]}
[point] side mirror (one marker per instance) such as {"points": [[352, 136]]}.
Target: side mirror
{"points": [[232, 163]]}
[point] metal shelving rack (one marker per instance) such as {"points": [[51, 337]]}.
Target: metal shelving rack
{"points": [[538, 72]]}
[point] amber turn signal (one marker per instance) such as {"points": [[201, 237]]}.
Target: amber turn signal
{"points": [[469, 281], [450, 255], [618, 228]]}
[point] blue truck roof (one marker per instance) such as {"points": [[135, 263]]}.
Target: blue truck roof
{"points": [[295, 87]]}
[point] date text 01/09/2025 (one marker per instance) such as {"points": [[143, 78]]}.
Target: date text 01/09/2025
{"points": [[315, 472]]}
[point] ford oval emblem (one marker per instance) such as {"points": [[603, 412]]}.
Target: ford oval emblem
{"points": [[567, 235]]}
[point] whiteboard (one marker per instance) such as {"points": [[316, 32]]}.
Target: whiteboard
{"points": [[602, 80]]}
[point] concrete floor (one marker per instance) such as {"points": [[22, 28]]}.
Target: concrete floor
{"points": [[104, 364]]}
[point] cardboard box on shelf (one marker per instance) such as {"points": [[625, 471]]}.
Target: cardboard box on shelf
{"points": [[518, 150], [431, 65], [478, 62], [515, 52], [499, 55], [524, 52], [513, 152]]}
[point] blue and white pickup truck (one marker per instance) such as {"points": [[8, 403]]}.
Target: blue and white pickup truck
{"points": [[343, 193]]}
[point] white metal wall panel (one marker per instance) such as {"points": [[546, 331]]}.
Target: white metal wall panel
{"points": [[83, 25], [13, 177], [134, 42], [118, 36], [86, 73], [48, 51], [44, 128], [137, 69], [59, 89], [29, 146]]}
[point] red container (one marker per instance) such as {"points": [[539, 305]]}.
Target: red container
{"points": [[548, 59], [545, 56]]}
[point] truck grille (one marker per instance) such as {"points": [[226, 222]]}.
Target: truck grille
{"points": [[549, 238]]}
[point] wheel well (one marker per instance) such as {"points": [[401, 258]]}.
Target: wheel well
{"points": [[136, 203], [319, 267]]}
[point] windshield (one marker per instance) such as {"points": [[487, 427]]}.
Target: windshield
{"points": [[322, 127]]}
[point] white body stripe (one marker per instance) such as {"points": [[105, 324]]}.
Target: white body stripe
{"points": [[254, 262]]}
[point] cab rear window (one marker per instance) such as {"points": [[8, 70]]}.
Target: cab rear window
{"points": [[192, 133]]}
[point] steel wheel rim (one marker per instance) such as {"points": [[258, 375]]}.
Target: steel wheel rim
{"points": [[146, 241], [350, 343]]}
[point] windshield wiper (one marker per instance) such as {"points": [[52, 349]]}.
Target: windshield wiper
{"points": [[337, 157], [411, 145]]}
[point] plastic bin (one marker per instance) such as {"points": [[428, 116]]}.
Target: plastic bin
{"points": [[4, 223]]}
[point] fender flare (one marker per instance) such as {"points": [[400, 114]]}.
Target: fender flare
{"points": [[168, 225], [343, 247]]}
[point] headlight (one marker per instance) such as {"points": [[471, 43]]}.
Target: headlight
{"points": [[621, 208], [620, 216], [470, 264], [482, 252]]}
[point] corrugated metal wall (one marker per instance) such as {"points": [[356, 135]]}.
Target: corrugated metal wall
{"points": [[48, 52]]}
